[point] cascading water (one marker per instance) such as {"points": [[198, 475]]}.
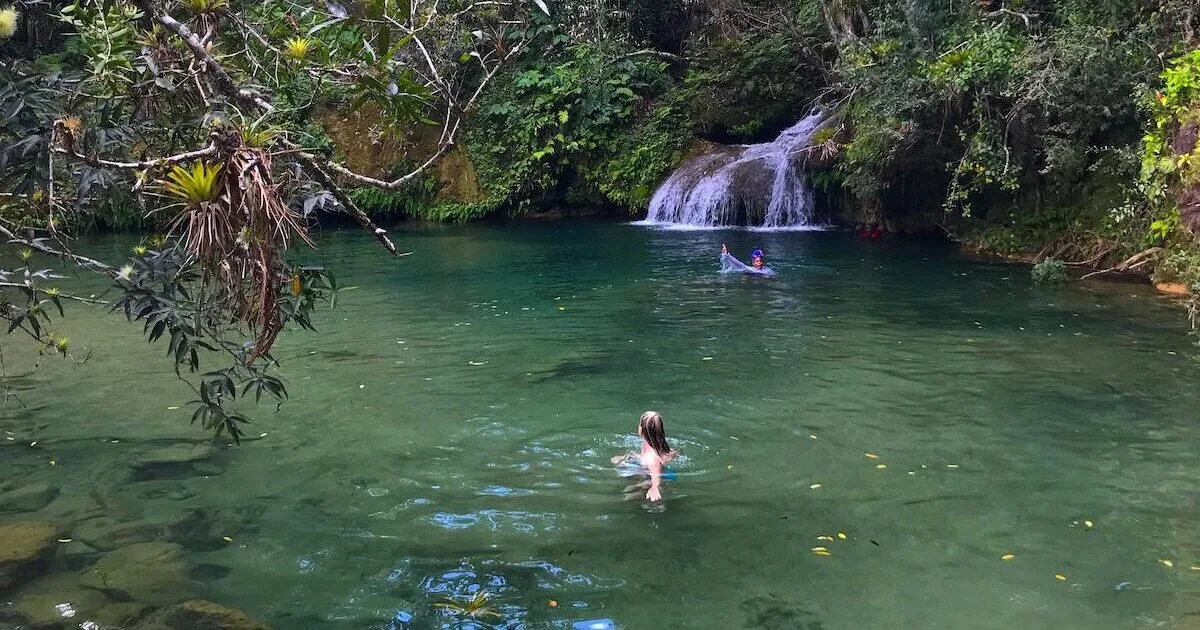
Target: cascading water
{"points": [[760, 185]]}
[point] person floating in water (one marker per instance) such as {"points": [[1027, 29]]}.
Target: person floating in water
{"points": [[757, 265], [653, 458]]}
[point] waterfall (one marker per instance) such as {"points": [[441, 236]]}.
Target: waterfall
{"points": [[759, 185]]}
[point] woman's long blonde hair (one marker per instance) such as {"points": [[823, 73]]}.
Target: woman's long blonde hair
{"points": [[651, 428]]}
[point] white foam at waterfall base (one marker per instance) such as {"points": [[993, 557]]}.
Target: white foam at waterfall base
{"points": [[703, 193]]}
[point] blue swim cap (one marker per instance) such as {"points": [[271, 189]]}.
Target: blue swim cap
{"points": [[758, 253]]}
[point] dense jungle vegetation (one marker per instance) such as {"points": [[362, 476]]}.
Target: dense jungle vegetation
{"points": [[1056, 129]]}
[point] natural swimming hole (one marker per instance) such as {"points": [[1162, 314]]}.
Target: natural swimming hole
{"points": [[450, 428]]}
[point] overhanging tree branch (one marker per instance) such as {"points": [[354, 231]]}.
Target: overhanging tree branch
{"points": [[319, 167]]}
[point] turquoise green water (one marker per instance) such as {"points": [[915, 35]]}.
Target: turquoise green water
{"points": [[450, 429]]}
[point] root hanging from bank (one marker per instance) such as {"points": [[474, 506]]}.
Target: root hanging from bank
{"points": [[1137, 263]]}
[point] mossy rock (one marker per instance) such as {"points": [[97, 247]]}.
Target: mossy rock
{"points": [[57, 601], [25, 548], [156, 573], [200, 614]]}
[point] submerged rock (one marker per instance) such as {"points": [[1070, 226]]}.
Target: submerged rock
{"points": [[120, 614], [57, 601], [174, 460], [155, 573], [67, 510], [28, 498], [25, 548], [200, 614], [107, 534]]}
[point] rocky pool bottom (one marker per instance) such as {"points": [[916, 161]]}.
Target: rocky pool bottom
{"points": [[884, 434]]}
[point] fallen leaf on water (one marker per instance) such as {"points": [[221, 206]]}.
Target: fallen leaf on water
{"points": [[64, 540], [552, 604], [1087, 524], [880, 466], [951, 465], [562, 308], [1060, 577], [871, 455], [362, 386], [52, 462], [819, 549], [1007, 556], [1196, 567], [1167, 563], [730, 467], [811, 436], [825, 538], [815, 486], [822, 553], [226, 539], [842, 535], [172, 408]]}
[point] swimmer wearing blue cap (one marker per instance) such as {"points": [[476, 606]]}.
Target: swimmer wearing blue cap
{"points": [[652, 459]]}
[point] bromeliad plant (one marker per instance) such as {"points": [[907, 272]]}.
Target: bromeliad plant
{"points": [[197, 187]]}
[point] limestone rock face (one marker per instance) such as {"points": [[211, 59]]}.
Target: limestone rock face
{"points": [[25, 548]]}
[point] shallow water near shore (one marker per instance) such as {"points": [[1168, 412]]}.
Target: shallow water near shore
{"points": [[450, 427]]}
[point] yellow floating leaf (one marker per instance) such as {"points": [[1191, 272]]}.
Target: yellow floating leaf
{"points": [[811, 436], [226, 539], [1167, 563], [552, 604], [1007, 556], [562, 308], [730, 467], [842, 535], [1060, 577], [871, 455], [52, 462], [1196, 567], [880, 466], [64, 540], [818, 549], [815, 486], [825, 538], [1087, 524], [822, 553], [951, 465]]}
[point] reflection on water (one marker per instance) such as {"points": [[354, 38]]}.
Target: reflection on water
{"points": [[450, 429]]}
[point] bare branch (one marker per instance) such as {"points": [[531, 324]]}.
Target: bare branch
{"points": [[47, 292], [40, 245], [1003, 11], [318, 173], [211, 149], [651, 53]]}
